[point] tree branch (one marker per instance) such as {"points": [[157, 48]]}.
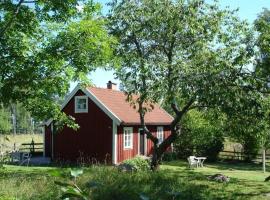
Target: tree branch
{"points": [[15, 13]]}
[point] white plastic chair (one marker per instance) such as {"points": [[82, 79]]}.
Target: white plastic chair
{"points": [[192, 161]]}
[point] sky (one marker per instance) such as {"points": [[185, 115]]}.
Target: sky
{"points": [[248, 10]]}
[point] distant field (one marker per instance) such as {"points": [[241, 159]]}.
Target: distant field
{"points": [[8, 144]]}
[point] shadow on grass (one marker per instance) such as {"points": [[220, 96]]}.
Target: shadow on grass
{"points": [[173, 181], [221, 165]]}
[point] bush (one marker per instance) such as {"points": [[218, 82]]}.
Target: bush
{"points": [[251, 148], [139, 163], [211, 147], [169, 156], [202, 135]]}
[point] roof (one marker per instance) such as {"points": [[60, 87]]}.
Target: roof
{"points": [[115, 105], [116, 102]]}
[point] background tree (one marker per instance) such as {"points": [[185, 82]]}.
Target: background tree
{"points": [[5, 120], [190, 54], [44, 45], [262, 26], [202, 134]]}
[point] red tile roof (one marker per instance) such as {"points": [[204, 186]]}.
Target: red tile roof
{"points": [[116, 102]]}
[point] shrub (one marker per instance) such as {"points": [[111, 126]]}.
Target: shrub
{"points": [[211, 147], [169, 156], [139, 163], [202, 135], [251, 148]]}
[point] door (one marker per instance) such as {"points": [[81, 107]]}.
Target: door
{"points": [[141, 142]]}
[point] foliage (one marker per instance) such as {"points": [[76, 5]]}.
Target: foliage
{"points": [[202, 135], [139, 163], [169, 156], [172, 178], [262, 26], [251, 131], [5, 125], [44, 46], [188, 54], [71, 190]]}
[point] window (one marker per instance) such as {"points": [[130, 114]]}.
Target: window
{"points": [[81, 104], [160, 135], [128, 138]]}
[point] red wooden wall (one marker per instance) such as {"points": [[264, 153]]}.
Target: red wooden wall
{"points": [[48, 141], [92, 141], [123, 154]]}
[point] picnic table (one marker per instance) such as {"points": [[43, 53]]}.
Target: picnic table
{"points": [[200, 160]]}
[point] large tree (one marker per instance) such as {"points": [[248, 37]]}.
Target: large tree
{"points": [[44, 45], [262, 26], [187, 53]]}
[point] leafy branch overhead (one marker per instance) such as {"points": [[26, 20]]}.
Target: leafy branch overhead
{"points": [[44, 46]]}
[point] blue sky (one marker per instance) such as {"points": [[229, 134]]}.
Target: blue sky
{"points": [[248, 9]]}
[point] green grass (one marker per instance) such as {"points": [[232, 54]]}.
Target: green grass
{"points": [[247, 182]]}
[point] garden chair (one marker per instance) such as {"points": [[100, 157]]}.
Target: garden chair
{"points": [[192, 162], [26, 156]]}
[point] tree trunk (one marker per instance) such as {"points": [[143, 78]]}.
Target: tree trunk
{"points": [[155, 159]]}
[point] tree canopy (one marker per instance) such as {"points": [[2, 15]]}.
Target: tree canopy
{"points": [[44, 45], [188, 54]]}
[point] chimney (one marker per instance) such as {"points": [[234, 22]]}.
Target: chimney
{"points": [[111, 85]]}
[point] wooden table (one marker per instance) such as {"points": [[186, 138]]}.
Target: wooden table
{"points": [[200, 160]]}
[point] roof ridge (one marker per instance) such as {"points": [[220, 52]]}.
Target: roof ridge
{"points": [[106, 89]]}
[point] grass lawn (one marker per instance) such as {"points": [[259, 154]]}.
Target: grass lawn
{"points": [[247, 182]]}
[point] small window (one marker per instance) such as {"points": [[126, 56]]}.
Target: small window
{"points": [[128, 138], [160, 134], [81, 104]]}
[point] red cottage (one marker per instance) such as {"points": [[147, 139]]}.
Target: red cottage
{"points": [[109, 127]]}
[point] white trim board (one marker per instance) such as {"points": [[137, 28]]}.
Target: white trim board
{"points": [[94, 99], [114, 143]]}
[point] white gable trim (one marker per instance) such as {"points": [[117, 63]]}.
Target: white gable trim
{"points": [[102, 106], [94, 99]]}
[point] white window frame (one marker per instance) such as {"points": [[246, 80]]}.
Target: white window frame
{"points": [[75, 104], [130, 146], [160, 134]]}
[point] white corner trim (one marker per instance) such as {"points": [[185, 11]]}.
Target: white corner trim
{"points": [[139, 141], [114, 143], [94, 99]]}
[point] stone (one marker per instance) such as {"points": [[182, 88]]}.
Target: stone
{"points": [[124, 167], [219, 178]]}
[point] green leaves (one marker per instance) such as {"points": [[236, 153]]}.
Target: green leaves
{"points": [[76, 172], [44, 45], [71, 190], [190, 52]]}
